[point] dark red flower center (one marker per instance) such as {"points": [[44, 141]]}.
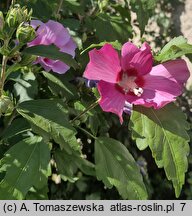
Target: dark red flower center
{"points": [[129, 82]]}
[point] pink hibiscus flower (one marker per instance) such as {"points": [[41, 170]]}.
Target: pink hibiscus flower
{"points": [[53, 33], [132, 79]]}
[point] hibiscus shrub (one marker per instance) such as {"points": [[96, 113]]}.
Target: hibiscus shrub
{"points": [[85, 112]]}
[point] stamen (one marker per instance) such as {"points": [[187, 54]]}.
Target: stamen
{"points": [[127, 83]]}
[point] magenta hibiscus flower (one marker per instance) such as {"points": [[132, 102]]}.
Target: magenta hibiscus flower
{"points": [[131, 78], [53, 33]]}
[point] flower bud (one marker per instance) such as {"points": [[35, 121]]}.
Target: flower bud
{"points": [[16, 16], [27, 59], [91, 83], [103, 4], [2, 22], [6, 105], [25, 34]]}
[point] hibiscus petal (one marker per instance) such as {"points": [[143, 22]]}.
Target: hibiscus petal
{"points": [[69, 47], [112, 100], [54, 65], [127, 53], [104, 64], [163, 84], [175, 70], [40, 33], [41, 61], [36, 23], [150, 98], [56, 34], [51, 33], [143, 60], [59, 67]]}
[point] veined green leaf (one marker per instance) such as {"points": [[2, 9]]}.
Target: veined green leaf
{"points": [[176, 48], [12, 68], [115, 166], [50, 116], [115, 44], [26, 86], [165, 132], [74, 5], [26, 165], [40, 194], [52, 52], [67, 164], [143, 9], [18, 126], [65, 89], [111, 28]]}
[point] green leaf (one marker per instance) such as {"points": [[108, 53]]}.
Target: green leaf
{"points": [[115, 44], [111, 28], [123, 10], [26, 165], [63, 88], [50, 116], [71, 23], [51, 52], [40, 194], [74, 6], [94, 123], [165, 131], [12, 68], [67, 164], [43, 9], [18, 126], [176, 48], [115, 166], [143, 9], [26, 86]]}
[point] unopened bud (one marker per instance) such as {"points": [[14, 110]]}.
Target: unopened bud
{"points": [[6, 105], [25, 33], [27, 59], [27, 14], [103, 4], [16, 16]]}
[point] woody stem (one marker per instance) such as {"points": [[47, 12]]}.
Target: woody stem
{"points": [[3, 70]]}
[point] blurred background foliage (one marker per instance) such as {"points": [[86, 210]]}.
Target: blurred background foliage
{"points": [[86, 20]]}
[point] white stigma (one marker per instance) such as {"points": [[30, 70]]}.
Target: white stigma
{"points": [[138, 91]]}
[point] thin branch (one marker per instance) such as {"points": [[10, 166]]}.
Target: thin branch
{"points": [[59, 8], [93, 105], [86, 132]]}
